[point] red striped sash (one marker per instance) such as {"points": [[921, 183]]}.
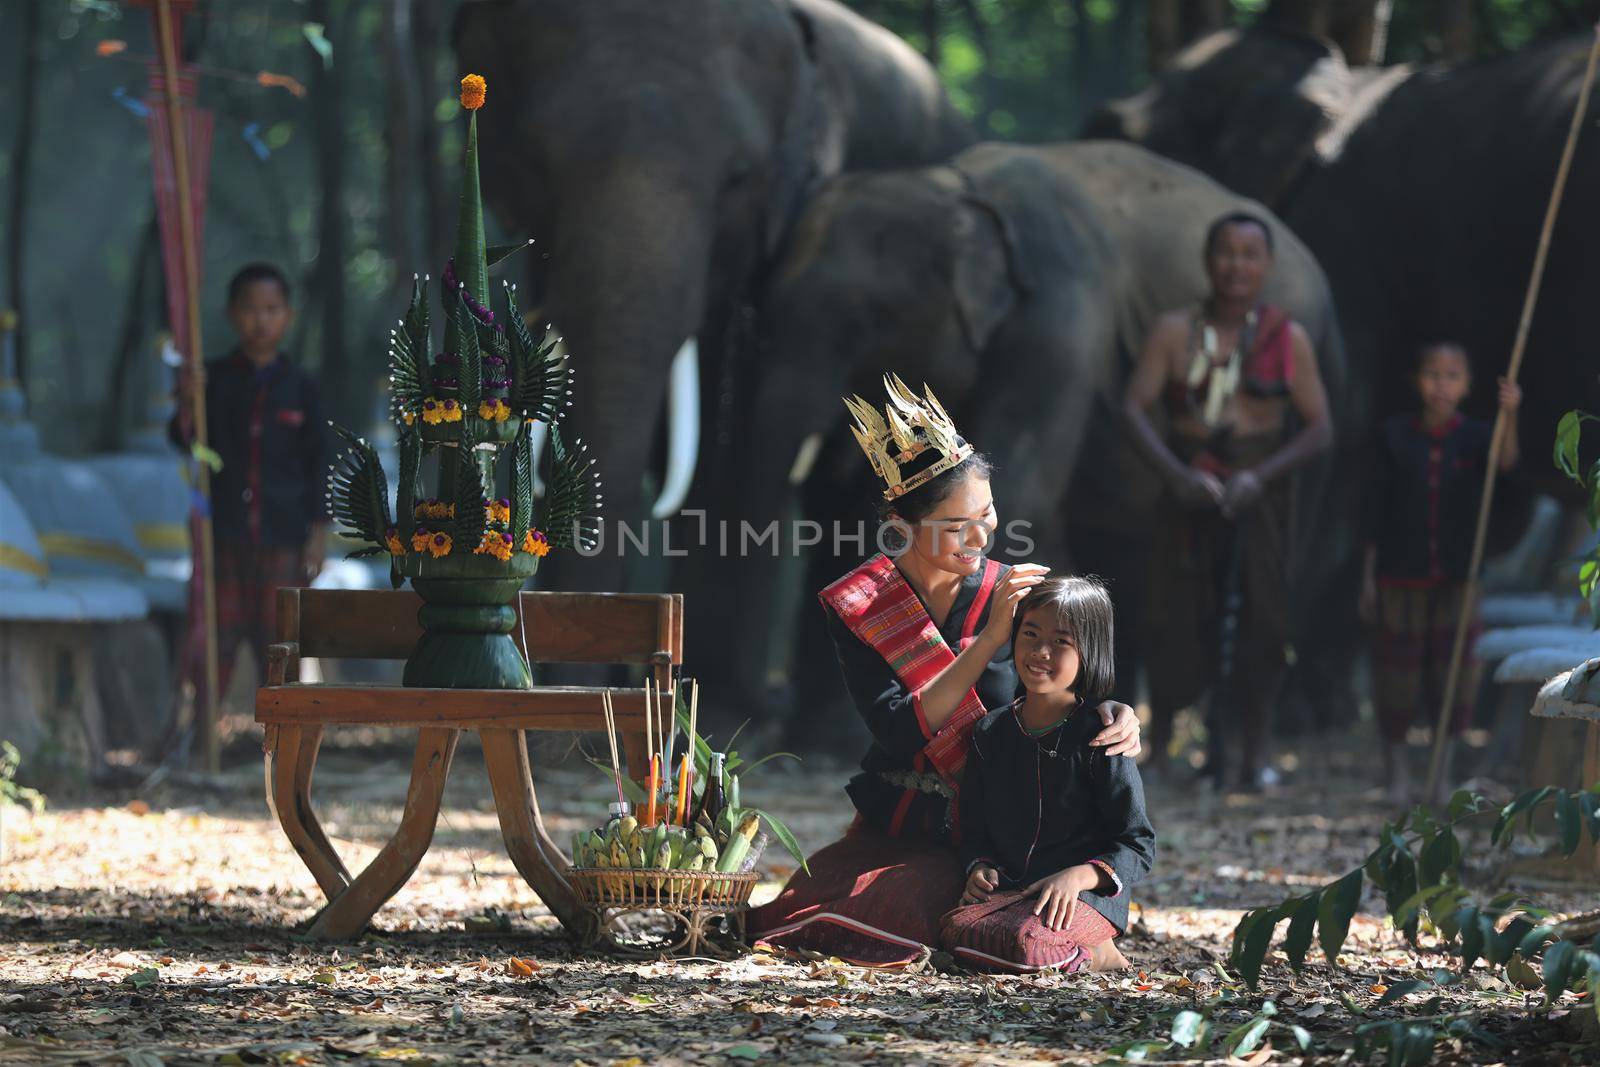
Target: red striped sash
{"points": [[879, 606]]}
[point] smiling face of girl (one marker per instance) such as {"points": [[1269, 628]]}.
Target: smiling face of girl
{"points": [[958, 530], [1046, 653]]}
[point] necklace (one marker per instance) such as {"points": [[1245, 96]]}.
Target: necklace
{"points": [[1038, 736]]}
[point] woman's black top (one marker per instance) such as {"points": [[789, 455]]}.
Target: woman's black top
{"points": [[879, 792], [1031, 807]]}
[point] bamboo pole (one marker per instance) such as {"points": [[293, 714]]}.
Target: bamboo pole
{"points": [[1470, 594], [206, 712]]}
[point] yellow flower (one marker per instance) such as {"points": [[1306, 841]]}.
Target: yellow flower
{"points": [[392, 539], [494, 409], [407, 417], [452, 411], [473, 90], [419, 540], [536, 543], [494, 544], [439, 545], [432, 413]]}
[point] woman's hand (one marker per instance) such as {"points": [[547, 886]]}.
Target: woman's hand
{"points": [[1058, 894], [983, 880], [1121, 734], [1007, 595]]}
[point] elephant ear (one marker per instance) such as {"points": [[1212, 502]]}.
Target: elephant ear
{"points": [[987, 275]]}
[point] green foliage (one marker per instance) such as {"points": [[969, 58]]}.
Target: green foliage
{"points": [[10, 791], [1417, 867], [359, 493], [1195, 1035], [1569, 436]]}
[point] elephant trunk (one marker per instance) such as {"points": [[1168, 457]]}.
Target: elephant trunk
{"points": [[628, 291]]}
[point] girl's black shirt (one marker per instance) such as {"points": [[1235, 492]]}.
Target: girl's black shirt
{"points": [[1032, 807]]}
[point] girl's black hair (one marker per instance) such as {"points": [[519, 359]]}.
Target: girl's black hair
{"points": [[250, 274], [1082, 608], [1236, 218], [925, 499]]}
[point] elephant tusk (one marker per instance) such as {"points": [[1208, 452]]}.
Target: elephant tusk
{"points": [[536, 438], [805, 457], [683, 430]]}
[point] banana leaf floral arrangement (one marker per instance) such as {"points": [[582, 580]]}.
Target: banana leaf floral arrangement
{"points": [[486, 392]]}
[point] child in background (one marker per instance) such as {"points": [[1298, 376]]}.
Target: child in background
{"points": [[1053, 832], [1428, 483], [269, 522]]}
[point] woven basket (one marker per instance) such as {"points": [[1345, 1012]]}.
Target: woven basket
{"points": [[628, 887]]}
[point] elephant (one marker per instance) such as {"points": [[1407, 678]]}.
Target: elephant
{"points": [[1421, 191], [1018, 282], [658, 155]]}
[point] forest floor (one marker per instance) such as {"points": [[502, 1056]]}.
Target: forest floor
{"points": [[160, 929]]}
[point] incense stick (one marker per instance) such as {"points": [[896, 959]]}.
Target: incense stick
{"points": [[611, 737]]}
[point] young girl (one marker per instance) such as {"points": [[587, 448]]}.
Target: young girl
{"points": [[1054, 831], [1427, 484]]}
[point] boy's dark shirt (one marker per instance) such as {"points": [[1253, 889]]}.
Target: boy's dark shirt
{"points": [[1426, 492], [1031, 814], [267, 426]]}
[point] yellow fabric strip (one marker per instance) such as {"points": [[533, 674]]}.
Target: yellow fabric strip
{"points": [[80, 547], [13, 558], [163, 536]]}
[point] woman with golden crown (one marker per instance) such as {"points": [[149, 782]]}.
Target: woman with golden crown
{"points": [[924, 641]]}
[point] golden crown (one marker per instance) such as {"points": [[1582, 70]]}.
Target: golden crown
{"points": [[907, 428]]}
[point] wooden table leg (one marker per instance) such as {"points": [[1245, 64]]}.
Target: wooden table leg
{"points": [[538, 859], [346, 915], [291, 757]]}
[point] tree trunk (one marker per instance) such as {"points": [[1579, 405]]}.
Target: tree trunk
{"points": [[401, 122], [327, 89], [130, 392], [426, 33], [1163, 29], [21, 158], [1457, 29]]}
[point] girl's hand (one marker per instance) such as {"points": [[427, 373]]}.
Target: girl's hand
{"points": [[1241, 492], [1121, 734], [980, 883], [1510, 395], [1058, 894], [1007, 595], [1199, 489]]}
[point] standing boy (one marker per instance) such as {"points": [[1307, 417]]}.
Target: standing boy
{"points": [[268, 516]]}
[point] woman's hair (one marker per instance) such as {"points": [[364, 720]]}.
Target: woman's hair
{"points": [[250, 274], [925, 499], [1082, 608]]}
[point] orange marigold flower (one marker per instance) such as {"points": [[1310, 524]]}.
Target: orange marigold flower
{"points": [[432, 412], [536, 543], [419, 540], [407, 417], [391, 538], [473, 90], [439, 545], [494, 410], [452, 411], [494, 544]]}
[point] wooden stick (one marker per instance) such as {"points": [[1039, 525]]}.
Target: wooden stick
{"points": [[1469, 594], [649, 726], [167, 42]]}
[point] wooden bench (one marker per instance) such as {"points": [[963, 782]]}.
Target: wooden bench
{"points": [[595, 628]]}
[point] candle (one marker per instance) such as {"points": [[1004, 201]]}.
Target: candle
{"points": [[683, 791], [650, 796]]}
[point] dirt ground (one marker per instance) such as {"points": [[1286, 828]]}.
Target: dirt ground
{"points": [[160, 928]]}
